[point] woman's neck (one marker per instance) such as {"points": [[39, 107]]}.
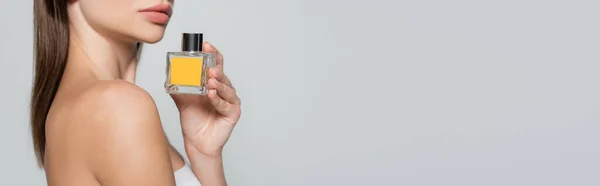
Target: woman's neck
{"points": [[105, 58], [99, 54]]}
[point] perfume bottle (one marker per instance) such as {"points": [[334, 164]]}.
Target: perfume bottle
{"points": [[187, 70]]}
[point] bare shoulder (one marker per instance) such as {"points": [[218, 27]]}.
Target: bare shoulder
{"points": [[118, 107], [115, 106], [124, 140], [106, 97]]}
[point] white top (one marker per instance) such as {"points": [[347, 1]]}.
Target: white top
{"points": [[185, 177]]}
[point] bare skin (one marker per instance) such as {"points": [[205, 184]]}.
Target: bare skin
{"points": [[104, 130], [107, 133]]}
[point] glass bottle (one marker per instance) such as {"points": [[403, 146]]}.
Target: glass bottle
{"points": [[187, 70]]}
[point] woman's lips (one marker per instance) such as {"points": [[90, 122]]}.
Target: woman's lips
{"points": [[156, 17], [159, 14]]}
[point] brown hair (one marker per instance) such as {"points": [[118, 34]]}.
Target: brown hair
{"points": [[51, 29], [51, 40]]}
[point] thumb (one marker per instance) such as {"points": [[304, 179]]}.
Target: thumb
{"points": [[207, 47]]}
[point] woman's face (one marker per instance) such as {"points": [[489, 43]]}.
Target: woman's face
{"points": [[132, 20]]}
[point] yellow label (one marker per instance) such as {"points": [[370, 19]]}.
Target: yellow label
{"points": [[186, 71]]}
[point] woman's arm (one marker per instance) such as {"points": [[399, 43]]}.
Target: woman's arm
{"points": [[207, 123], [209, 170], [127, 146]]}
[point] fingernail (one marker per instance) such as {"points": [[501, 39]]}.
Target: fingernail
{"points": [[210, 93]]}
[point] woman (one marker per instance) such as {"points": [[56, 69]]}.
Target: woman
{"points": [[92, 126]]}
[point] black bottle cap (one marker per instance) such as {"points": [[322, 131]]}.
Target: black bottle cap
{"points": [[191, 42]]}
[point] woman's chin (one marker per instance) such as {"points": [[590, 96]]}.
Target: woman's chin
{"points": [[151, 36], [152, 39]]}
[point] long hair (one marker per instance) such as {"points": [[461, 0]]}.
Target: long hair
{"points": [[51, 43], [51, 40]]}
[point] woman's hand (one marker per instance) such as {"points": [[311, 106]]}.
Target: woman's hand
{"points": [[207, 121]]}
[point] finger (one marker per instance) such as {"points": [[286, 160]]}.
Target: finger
{"points": [[212, 49], [214, 73], [225, 92], [218, 103]]}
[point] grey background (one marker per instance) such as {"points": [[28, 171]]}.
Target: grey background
{"points": [[379, 92]]}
